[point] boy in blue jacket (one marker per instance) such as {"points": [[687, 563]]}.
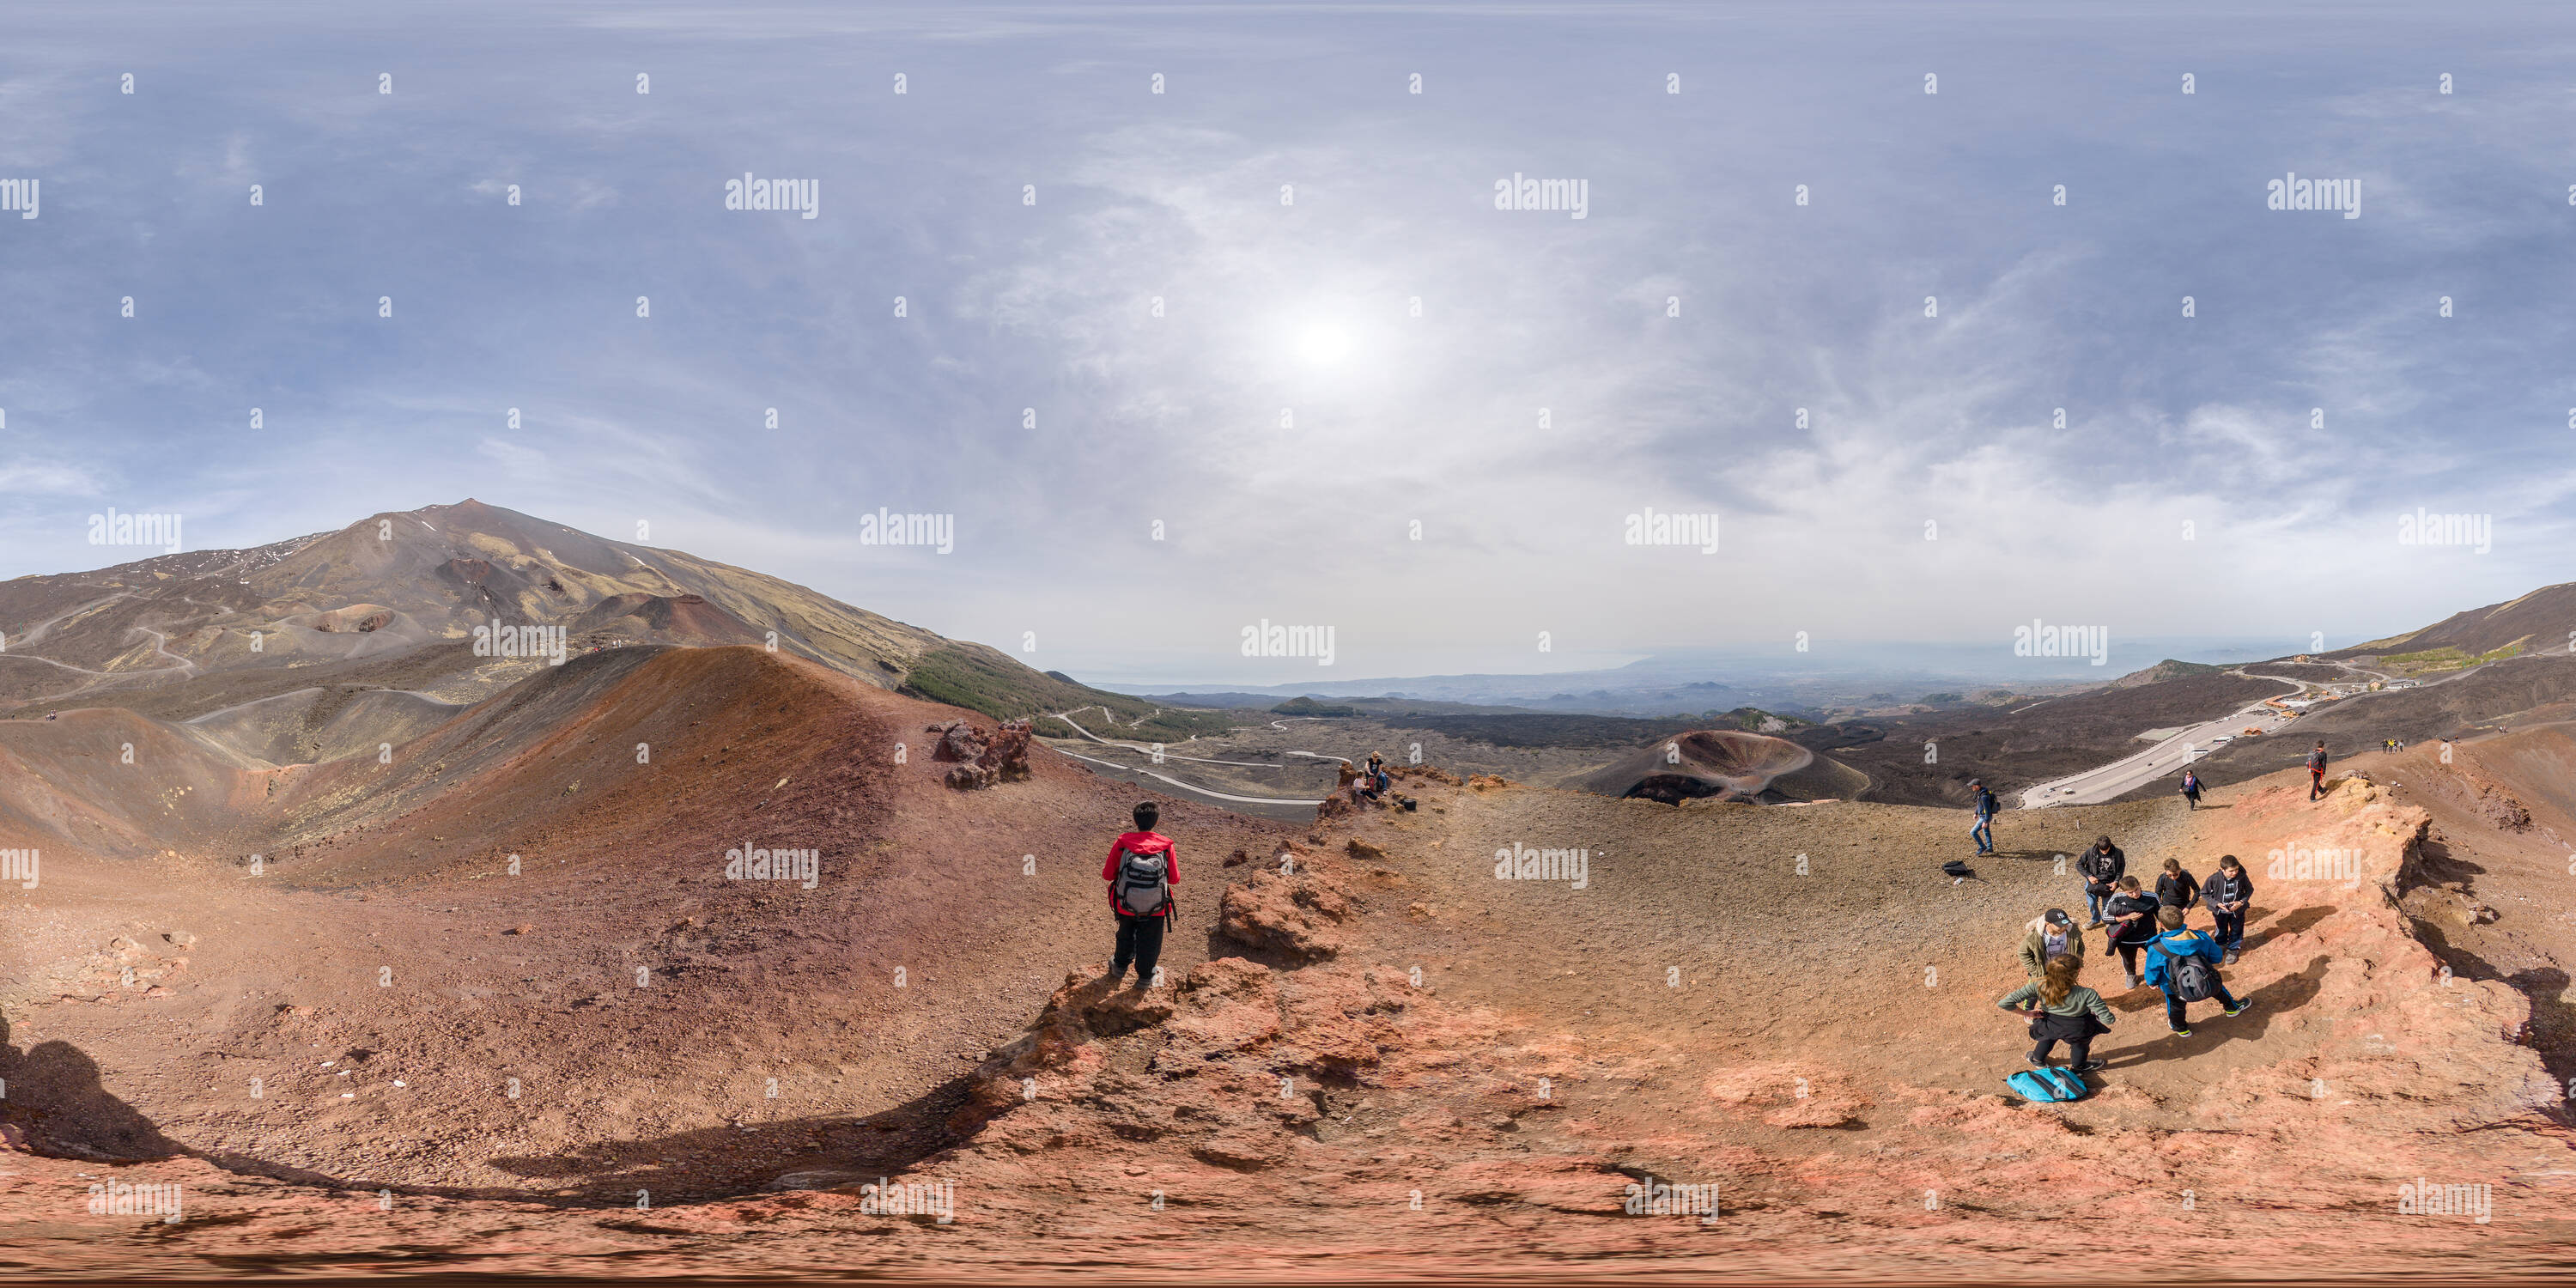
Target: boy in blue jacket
{"points": [[2167, 950]]}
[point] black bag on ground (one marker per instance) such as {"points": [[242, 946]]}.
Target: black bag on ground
{"points": [[1956, 868]]}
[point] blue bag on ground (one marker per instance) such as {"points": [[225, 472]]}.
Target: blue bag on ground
{"points": [[2033, 1087], [2070, 1085], [2047, 1086]]}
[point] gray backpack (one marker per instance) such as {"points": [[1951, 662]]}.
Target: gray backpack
{"points": [[1143, 884], [2193, 980]]}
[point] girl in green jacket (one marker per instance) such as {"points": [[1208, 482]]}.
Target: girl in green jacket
{"points": [[2061, 1010]]}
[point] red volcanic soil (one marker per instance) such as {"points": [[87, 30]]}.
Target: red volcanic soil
{"points": [[386, 932], [1371, 1049]]}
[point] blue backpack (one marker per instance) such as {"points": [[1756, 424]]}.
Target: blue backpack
{"points": [[2188, 976], [2047, 1086]]}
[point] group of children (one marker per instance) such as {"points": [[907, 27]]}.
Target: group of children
{"points": [[2180, 962]]}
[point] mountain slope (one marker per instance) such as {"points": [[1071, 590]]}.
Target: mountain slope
{"points": [[2543, 619], [391, 589]]}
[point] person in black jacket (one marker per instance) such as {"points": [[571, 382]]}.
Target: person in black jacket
{"points": [[2229, 892], [2176, 889], [2317, 771], [2133, 925], [2102, 866]]}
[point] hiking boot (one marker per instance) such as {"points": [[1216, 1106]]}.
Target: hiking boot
{"points": [[2238, 1009], [2180, 1033], [2093, 1066], [2231, 958]]}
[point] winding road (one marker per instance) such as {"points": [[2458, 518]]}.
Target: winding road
{"points": [[1166, 754], [160, 644]]}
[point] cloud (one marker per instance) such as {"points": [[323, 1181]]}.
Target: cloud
{"points": [[1516, 383]]}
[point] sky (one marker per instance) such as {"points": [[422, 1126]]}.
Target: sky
{"points": [[1259, 348]]}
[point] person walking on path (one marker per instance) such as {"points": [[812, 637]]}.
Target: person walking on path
{"points": [[2191, 788], [2062, 1010], [2183, 964], [2101, 868], [1143, 867], [1983, 801], [2317, 771]]}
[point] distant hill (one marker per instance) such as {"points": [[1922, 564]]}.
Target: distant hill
{"points": [[2169, 669], [2535, 622], [407, 592]]}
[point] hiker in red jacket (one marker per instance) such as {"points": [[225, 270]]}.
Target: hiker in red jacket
{"points": [[1143, 867], [2317, 771]]}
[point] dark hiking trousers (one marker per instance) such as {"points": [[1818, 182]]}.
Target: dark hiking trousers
{"points": [[2173, 1006], [2231, 928], [1140, 940], [2076, 1031]]}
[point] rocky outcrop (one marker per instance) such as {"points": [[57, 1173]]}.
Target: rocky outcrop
{"points": [[125, 970], [1007, 755], [1294, 907], [982, 760], [1235, 1065], [959, 742]]}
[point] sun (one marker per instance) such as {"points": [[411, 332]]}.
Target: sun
{"points": [[1323, 345]]}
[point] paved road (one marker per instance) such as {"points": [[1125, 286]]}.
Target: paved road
{"points": [[2127, 774], [2166, 758], [1268, 805]]}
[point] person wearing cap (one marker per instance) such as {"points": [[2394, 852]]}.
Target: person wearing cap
{"points": [[1983, 801], [2048, 937]]}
